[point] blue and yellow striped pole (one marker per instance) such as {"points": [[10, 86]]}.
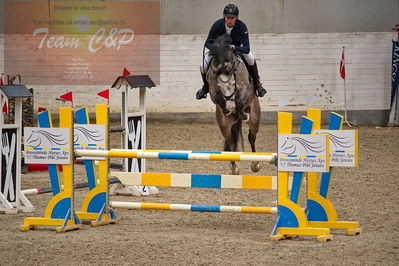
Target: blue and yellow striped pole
{"points": [[192, 208], [197, 180], [182, 155]]}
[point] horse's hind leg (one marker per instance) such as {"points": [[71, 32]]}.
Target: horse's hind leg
{"points": [[235, 134], [255, 166]]}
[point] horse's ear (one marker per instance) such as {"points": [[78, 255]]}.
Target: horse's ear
{"points": [[229, 40], [226, 38]]}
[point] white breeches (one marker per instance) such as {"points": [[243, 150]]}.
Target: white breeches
{"points": [[249, 58]]}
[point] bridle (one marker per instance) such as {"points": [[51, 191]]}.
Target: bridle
{"points": [[229, 97], [232, 73]]}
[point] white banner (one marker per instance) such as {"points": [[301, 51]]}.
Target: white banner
{"points": [[47, 145], [303, 153], [89, 137], [343, 147]]}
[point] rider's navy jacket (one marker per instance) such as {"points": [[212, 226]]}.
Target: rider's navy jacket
{"points": [[239, 34]]}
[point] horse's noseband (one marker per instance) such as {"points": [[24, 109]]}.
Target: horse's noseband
{"points": [[229, 97]]}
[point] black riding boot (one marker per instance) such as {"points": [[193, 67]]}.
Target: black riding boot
{"points": [[253, 71], [201, 93]]}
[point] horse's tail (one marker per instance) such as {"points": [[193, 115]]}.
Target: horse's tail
{"points": [[236, 132]]}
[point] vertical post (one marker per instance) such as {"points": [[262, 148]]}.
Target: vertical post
{"points": [[315, 115], [124, 114], [66, 121], [142, 108], [346, 116], [1, 135], [2, 97], [18, 125], [284, 127], [103, 169]]}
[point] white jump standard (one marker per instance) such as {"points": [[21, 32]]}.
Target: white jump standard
{"points": [[12, 199], [134, 129]]}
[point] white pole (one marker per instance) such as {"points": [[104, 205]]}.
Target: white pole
{"points": [[143, 108], [346, 121], [346, 116]]}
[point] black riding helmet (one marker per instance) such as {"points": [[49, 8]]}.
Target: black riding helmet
{"points": [[230, 10]]}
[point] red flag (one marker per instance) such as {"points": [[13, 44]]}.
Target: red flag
{"points": [[1, 81], [4, 108], [126, 72], [104, 94], [342, 64], [41, 109], [67, 96]]}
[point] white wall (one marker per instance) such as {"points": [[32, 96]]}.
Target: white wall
{"points": [[298, 70], [301, 70]]}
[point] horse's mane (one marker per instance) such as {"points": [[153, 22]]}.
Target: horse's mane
{"points": [[220, 49]]}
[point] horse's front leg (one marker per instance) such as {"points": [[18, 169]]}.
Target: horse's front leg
{"points": [[240, 111], [232, 165], [219, 100]]}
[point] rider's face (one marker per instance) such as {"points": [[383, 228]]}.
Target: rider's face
{"points": [[230, 21]]}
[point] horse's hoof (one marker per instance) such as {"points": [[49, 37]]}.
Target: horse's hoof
{"points": [[226, 112], [255, 166], [243, 117], [234, 171], [246, 118]]}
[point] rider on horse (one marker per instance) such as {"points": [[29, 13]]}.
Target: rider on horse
{"points": [[239, 33]]}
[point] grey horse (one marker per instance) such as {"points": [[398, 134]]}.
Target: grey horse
{"points": [[234, 96]]}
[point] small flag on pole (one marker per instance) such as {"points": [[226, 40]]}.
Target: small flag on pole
{"points": [[67, 97], [342, 64], [126, 72], [104, 94], [41, 109], [343, 75], [4, 107]]}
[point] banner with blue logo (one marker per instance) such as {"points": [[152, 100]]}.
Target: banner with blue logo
{"points": [[394, 110], [395, 69]]}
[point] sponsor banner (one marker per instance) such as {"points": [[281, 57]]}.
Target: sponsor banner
{"points": [[81, 42], [343, 147], [89, 137], [47, 145], [303, 153]]}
